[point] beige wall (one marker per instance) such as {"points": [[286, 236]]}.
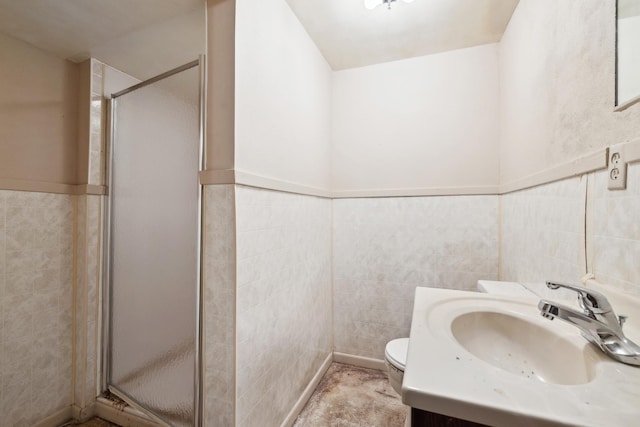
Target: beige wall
{"points": [[38, 115], [467, 120], [423, 122], [84, 122], [283, 97], [557, 86], [221, 18]]}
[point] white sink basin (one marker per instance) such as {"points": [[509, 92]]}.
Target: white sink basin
{"points": [[494, 360], [524, 348]]}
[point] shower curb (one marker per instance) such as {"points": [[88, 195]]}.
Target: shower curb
{"points": [[127, 417]]}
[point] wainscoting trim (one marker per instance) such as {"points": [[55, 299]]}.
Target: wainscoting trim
{"points": [[362, 362], [127, 417], [56, 419], [306, 394]]}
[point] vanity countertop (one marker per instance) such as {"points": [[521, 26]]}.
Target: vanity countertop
{"points": [[442, 376]]}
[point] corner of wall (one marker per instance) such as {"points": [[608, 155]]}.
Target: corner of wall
{"points": [[221, 68], [219, 305]]}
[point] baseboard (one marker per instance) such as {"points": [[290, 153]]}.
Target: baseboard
{"points": [[306, 394], [83, 415], [56, 419], [130, 417], [363, 362], [127, 417]]}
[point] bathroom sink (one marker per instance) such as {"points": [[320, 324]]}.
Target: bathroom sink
{"points": [[523, 348], [494, 360]]}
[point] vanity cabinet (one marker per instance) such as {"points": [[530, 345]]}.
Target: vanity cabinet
{"points": [[420, 418]]}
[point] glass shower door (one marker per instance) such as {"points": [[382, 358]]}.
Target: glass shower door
{"points": [[154, 242]]}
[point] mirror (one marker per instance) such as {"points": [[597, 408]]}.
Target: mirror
{"points": [[627, 53]]}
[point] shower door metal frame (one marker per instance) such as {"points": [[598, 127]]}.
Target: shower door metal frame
{"points": [[107, 248]]}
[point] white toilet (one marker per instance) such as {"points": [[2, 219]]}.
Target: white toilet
{"points": [[395, 357]]}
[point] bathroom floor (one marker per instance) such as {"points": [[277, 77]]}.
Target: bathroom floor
{"points": [[348, 396], [95, 422]]}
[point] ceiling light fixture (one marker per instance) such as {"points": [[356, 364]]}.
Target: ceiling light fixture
{"points": [[372, 4]]}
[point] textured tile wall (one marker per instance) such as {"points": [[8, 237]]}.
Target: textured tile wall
{"points": [[543, 232], [283, 300], [544, 237], [36, 263], [87, 298], [80, 306], [384, 248], [96, 127], [88, 258], [219, 305], [615, 244]]}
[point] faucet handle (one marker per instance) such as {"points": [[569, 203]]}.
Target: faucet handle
{"points": [[599, 323], [592, 302]]}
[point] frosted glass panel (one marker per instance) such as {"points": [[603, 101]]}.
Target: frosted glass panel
{"points": [[154, 246]]}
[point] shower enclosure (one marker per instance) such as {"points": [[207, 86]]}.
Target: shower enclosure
{"points": [[152, 271]]}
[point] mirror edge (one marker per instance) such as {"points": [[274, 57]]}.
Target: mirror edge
{"points": [[617, 105]]}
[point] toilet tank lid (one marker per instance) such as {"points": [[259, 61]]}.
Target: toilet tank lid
{"points": [[396, 352]]}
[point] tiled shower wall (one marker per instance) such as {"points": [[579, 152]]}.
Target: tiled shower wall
{"points": [[543, 231], [283, 300], [36, 273], [384, 248]]}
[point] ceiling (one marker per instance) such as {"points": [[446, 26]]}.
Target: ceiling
{"points": [[141, 37], [128, 35], [349, 35]]}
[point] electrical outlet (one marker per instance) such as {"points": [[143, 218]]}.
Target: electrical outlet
{"points": [[617, 168]]}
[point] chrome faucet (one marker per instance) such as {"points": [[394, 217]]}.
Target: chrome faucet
{"points": [[597, 322]]}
